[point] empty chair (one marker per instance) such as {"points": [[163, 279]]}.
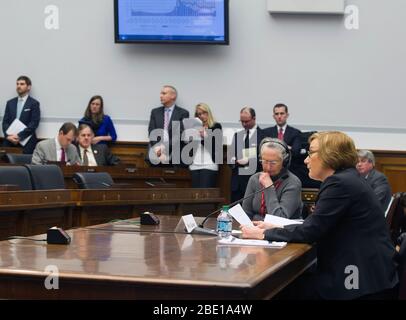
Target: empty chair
{"points": [[16, 158], [15, 175], [93, 180], [46, 177]]}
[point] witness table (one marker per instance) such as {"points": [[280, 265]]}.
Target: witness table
{"points": [[108, 264]]}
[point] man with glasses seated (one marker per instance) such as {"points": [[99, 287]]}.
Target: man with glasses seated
{"points": [[281, 195], [243, 153]]}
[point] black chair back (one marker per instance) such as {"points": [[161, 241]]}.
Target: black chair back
{"points": [[395, 216], [16, 175], [16, 158], [93, 180], [46, 177]]}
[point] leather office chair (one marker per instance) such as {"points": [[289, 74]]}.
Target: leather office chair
{"points": [[46, 177], [401, 260], [395, 216], [16, 158], [93, 180], [15, 175]]}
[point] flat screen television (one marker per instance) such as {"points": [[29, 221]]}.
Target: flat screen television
{"points": [[171, 21]]}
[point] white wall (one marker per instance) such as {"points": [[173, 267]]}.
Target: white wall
{"points": [[331, 77]]}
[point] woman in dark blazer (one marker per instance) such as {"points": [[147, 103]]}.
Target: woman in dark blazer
{"points": [[355, 255], [101, 124], [204, 167]]}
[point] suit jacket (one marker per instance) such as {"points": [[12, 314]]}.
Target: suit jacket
{"points": [[291, 137], [102, 155], [30, 116], [284, 200], [46, 151], [349, 228], [175, 128], [381, 187], [239, 180]]}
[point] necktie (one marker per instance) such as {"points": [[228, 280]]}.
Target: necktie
{"points": [[85, 158], [280, 134], [63, 157], [262, 209], [247, 139], [19, 107], [166, 124]]}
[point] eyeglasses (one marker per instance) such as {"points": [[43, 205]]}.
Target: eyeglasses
{"points": [[310, 153], [271, 162]]}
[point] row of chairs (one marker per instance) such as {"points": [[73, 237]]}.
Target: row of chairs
{"points": [[49, 177], [15, 158]]}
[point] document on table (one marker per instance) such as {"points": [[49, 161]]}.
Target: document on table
{"points": [[16, 127], [238, 213], [232, 241], [279, 221]]}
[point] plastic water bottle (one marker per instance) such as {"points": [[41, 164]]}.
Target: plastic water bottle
{"points": [[224, 223]]}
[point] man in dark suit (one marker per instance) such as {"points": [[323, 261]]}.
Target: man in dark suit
{"points": [[243, 154], [26, 109], [165, 129], [284, 132], [376, 179], [96, 154]]}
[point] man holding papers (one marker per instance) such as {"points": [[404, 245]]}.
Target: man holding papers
{"points": [[21, 118], [355, 255]]}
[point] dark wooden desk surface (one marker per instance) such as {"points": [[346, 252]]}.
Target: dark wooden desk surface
{"points": [[102, 264], [27, 213]]}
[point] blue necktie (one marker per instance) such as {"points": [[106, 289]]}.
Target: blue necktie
{"points": [[19, 107]]}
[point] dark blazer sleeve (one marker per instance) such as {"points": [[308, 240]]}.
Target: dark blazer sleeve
{"points": [[8, 117], [295, 141], [381, 187], [33, 121], [332, 204], [205, 142], [154, 123], [111, 159]]}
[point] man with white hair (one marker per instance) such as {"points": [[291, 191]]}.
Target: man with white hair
{"points": [[376, 179]]}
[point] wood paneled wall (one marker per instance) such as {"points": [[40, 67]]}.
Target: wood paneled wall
{"points": [[391, 163]]}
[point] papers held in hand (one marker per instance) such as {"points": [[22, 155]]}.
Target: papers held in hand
{"points": [[15, 128], [192, 123], [232, 241]]}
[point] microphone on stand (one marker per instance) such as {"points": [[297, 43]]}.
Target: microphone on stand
{"points": [[201, 225]]}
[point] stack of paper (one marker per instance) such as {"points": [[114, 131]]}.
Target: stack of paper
{"points": [[249, 242], [279, 221]]}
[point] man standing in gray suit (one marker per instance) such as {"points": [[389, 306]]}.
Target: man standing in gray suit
{"points": [[165, 129], [376, 179], [59, 149]]}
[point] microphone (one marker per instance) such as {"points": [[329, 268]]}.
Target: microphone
{"points": [[201, 225]]}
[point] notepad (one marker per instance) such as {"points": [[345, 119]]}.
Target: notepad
{"points": [[232, 241], [16, 127]]}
